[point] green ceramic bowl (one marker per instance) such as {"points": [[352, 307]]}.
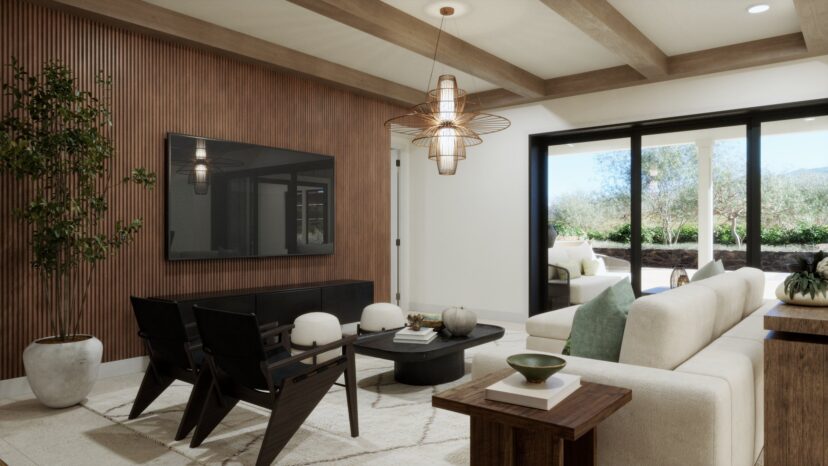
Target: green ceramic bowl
{"points": [[536, 367]]}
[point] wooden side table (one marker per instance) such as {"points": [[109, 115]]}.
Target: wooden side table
{"points": [[503, 434], [796, 385]]}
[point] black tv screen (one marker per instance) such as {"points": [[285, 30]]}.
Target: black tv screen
{"points": [[230, 199]]}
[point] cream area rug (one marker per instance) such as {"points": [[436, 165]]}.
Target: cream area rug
{"points": [[397, 423]]}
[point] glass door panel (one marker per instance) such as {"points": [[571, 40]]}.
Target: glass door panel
{"points": [[589, 218], [794, 194], [693, 202]]}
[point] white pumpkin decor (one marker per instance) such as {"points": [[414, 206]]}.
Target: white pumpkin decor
{"points": [[822, 268], [460, 322]]}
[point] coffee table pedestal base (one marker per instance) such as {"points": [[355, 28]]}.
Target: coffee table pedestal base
{"points": [[432, 371], [497, 444]]}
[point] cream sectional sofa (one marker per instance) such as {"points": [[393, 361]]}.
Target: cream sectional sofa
{"points": [[693, 357]]}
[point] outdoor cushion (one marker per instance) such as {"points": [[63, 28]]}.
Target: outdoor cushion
{"points": [[598, 326], [580, 252], [710, 269], [573, 267]]}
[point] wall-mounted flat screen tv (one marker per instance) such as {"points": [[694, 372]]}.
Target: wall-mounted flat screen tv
{"points": [[230, 199]]}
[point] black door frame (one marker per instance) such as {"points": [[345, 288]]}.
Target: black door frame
{"points": [[750, 118]]}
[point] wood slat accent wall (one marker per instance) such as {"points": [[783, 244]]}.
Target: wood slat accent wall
{"points": [[162, 87]]}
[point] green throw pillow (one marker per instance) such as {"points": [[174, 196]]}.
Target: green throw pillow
{"points": [[598, 326], [710, 269]]}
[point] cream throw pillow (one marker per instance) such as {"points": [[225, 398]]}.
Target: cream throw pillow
{"points": [[592, 267]]}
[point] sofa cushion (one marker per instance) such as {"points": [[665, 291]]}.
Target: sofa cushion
{"points": [[752, 327], [665, 329], [598, 326], [755, 280], [553, 324], [731, 292], [733, 363], [711, 269], [583, 289]]}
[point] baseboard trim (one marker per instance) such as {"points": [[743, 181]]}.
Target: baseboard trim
{"points": [[19, 386], [483, 314]]}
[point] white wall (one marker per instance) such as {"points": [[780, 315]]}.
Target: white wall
{"points": [[469, 232]]}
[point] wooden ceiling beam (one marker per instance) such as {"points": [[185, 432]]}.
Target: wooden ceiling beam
{"points": [[161, 22], [731, 57], [392, 25], [813, 20], [603, 23]]}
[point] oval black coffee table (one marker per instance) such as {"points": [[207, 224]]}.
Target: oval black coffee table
{"points": [[434, 363]]}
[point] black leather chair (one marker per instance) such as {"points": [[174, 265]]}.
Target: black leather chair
{"points": [[174, 352], [244, 363]]}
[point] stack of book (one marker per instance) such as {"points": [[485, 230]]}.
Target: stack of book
{"points": [[515, 390], [423, 336]]}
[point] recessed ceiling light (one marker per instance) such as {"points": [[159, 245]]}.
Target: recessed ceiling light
{"points": [[810, 119], [758, 8]]}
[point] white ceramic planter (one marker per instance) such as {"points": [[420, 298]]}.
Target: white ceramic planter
{"points": [[799, 299], [62, 374]]}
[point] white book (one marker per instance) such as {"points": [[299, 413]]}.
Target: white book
{"points": [[424, 332], [517, 391], [416, 337], [418, 341]]}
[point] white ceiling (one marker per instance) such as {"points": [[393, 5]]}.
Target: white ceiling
{"points": [[523, 32], [295, 27], [681, 26]]}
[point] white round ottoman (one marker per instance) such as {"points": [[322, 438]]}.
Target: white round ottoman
{"points": [[319, 327], [381, 316]]}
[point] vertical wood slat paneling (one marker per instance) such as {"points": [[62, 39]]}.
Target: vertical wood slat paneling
{"points": [[161, 87]]}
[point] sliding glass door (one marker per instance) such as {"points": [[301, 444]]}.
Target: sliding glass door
{"points": [[693, 202], [749, 187], [794, 193]]}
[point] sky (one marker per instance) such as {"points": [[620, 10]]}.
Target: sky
{"points": [[781, 153]]}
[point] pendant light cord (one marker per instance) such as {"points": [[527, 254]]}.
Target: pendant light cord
{"points": [[436, 47]]}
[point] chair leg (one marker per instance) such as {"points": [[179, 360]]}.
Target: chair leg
{"points": [[153, 384], [292, 406], [195, 404], [216, 406], [351, 392]]}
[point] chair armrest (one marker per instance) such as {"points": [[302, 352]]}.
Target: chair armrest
{"points": [[614, 262], [554, 270], [269, 337], [346, 341], [274, 331]]}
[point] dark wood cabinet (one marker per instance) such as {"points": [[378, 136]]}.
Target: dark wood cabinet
{"points": [[796, 386], [343, 298]]}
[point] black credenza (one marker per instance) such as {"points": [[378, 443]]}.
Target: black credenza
{"points": [[343, 298]]}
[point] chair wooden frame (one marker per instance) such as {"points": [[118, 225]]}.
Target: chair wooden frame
{"points": [[290, 401]]}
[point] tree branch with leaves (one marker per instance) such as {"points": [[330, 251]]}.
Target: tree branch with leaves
{"points": [[58, 138]]}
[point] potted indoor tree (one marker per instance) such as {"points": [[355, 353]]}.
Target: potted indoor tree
{"points": [[55, 140]]}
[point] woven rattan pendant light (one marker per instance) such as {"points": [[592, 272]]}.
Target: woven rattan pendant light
{"points": [[443, 123]]}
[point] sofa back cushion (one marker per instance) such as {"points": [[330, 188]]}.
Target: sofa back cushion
{"points": [[731, 292], [665, 329], [755, 281]]}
